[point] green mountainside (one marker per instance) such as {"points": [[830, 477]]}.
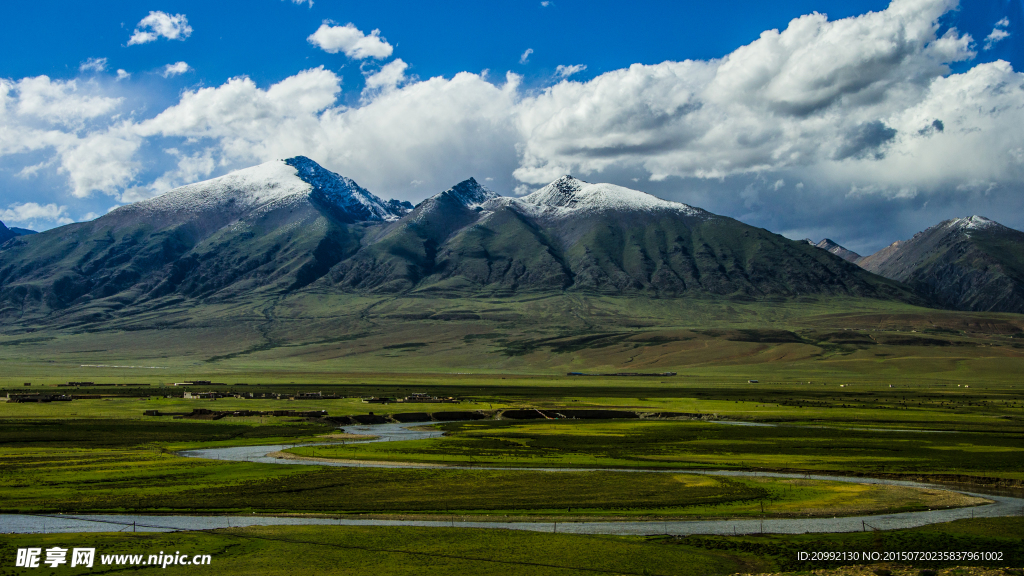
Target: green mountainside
{"points": [[963, 264], [260, 230], [290, 226], [492, 246]]}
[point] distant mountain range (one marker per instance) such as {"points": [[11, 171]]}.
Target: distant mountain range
{"points": [[575, 236], [968, 263], [8, 233], [291, 226], [834, 248]]}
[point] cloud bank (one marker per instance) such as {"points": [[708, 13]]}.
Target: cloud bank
{"points": [[824, 112], [30, 212]]}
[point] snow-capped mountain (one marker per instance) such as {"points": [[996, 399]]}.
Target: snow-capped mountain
{"points": [[971, 263], [290, 226], [275, 227], [266, 186], [468, 194], [570, 196], [576, 236], [972, 223], [344, 194]]}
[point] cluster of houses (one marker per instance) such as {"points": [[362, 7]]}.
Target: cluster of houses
{"points": [[415, 398], [648, 374], [205, 414], [21, 398], [243, 395]]}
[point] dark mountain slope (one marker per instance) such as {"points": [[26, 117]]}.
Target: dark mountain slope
{"points": [[965, 263], [595, 238], [835, 248], [274, 227], [6, 233], [257, 235]]}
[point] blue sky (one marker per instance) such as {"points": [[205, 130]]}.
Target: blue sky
{"points": [[515, 93]]}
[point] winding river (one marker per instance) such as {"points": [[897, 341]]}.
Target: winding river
{"points": [[23, 523]]}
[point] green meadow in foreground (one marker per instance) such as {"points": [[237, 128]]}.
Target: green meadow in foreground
{"points": [[78, 466], [885, 390], [316, 550]]}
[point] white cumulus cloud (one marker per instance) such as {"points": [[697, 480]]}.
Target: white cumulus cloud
{"points": [[817, 92], [525, 57], [350, 40], [157, 24], [29, 212], [93, 65], [51, 102], [190, 168], [388, 77], [437, 131], [175, 69], [998, 33], [858, 111], [566, 71], [76, 123]]}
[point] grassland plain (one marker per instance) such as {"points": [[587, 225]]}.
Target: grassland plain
{"points": [[315, 337], [845, 380], [385, 550], [406, 550], [923, 404], [692, 444], [76, 466]]}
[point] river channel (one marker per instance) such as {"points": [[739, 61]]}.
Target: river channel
{"points": [[23, 523]]}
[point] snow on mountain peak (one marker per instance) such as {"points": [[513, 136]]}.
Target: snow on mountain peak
{"points": [[248, 188], [971, 223], [569, 195], [470, 193], [273, 182], [337, 191]]}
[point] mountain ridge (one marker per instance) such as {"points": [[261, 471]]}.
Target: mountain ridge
{"points": [[291, 226], [971, 263], [6, 233], [833, 247]]}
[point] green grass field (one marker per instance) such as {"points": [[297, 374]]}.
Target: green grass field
{"points": [[98, 465], [317, 550], [307, 340], [853, 386], [691, 444]]}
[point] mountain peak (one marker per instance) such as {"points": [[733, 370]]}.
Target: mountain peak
{"points": [[5, 233], [949, 263], [568, 184], [971, 223], [339, 192], [569, 195], [835, 248], [470, 193], [292, 180]]}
